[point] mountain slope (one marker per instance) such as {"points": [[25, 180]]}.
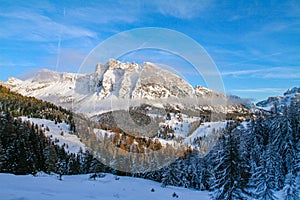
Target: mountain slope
{"points": [[279, 103], [120, 80], [113, 84], [38, 136]]}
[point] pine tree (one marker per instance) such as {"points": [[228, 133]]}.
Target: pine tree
{"points": [[24, 163], [290, 189], [61, 162], [1, 155], [173, 174], [194, 172], [73, 166], [291, 152], [227, 171], [50, 158], [283, 143], [85, 161], [263, 179]]}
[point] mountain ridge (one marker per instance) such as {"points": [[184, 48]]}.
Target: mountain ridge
{"points": [[114, 84], [279, 103]]}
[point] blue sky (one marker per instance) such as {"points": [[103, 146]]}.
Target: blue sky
{"points": [[254, 44]]}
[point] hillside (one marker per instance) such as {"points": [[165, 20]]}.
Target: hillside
{"points": [[116, 86], [19, 105], [232, 159], [280, 103], [38, 136]]}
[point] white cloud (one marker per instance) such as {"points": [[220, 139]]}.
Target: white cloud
{"points": [[13, 64], [32, 26], [134, 11], [181, 8], [274, 72], [67, 60], [260, 90], [103, 15], [240, 72]]}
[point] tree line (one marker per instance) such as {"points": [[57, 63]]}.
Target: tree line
{"points": [[251, 160]]}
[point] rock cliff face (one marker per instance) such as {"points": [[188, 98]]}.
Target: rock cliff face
{"points": [[92, 93], [133, 81], [279, 103]]}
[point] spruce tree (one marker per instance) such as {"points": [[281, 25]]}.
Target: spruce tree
{"points": [[50, 158], [290, 190], [173, 174], [263, 178], [227, 171], [1, 155]]}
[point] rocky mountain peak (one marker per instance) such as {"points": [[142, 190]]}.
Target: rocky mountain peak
{"points": [[293, 90], [114, 80], [280, 102]]}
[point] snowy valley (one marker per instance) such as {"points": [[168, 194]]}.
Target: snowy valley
{"points": [[127, 123]]}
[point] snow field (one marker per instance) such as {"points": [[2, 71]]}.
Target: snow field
{"points": [[48, 187]]}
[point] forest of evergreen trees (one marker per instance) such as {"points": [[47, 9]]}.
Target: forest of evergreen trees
{"points": [[26, 150], [18, 105], [251, 160], [24, 147]]}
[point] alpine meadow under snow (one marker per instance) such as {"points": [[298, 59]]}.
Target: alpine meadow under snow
{"points": [[149, 99], [191, 149], [48, 187]]}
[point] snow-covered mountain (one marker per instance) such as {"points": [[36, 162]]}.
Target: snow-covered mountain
{"points": [[147, 81], [166, 106], [114, 79], [280, 102], [119, 82]]}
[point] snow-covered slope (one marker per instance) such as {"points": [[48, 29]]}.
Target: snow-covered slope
{"points": [[181, 129], [189, 127], [48, 187], [147, 81], [55, 87], [93, 93], [112, 80], [59, 133], [279, 102]]}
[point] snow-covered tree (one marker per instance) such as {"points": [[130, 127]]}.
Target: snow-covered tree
{"points": [[228, 178], [50, 158], [264, 177], [173, 174], [1, 155], [290, 190]]}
